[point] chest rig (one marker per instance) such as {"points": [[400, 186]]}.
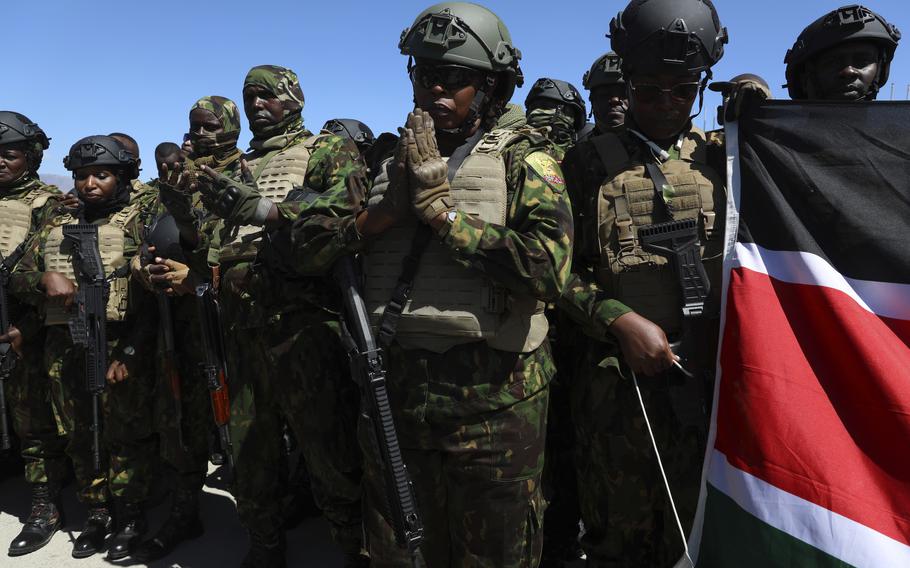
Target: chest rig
{"points": [[276, 173], [451, 303], [112, 245], [16, 213], [632, 216]]}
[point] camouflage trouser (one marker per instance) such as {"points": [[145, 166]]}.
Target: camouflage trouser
{"points": [[189, 462], [626, 512], [301, 378], [476, 477], [32, 417], [128, 443]]}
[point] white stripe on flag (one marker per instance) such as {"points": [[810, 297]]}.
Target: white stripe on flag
{"points": [[885, 299], [842, 538]]}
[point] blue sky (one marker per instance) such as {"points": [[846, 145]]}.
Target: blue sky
{"points": [[93, 66]]}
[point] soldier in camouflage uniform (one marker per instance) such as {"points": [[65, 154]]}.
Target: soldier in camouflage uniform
{"points": [[214, 130], [284, 353], [470, 400], [607, 93], [26, 204], [557, 106], [102, 171], [628, 300]]}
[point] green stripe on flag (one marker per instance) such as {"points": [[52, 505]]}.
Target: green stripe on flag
{"points": [[734, 538]]}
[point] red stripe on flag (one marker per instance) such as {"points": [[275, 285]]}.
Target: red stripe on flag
{"points": [[815, 399]]}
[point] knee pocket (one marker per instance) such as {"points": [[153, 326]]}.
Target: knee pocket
{"points": [[517, 439]]}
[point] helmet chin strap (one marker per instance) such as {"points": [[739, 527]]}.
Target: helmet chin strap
{"points": [[701, 93], [478, 105]]}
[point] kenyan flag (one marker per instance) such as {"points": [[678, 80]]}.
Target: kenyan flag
{"points": [[809, 456]]}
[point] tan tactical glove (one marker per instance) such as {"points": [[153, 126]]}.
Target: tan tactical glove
{"points": [[396, 200], [140, 272], [427, 171]]}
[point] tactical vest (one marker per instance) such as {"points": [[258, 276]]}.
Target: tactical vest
{"points": [[16, 214], [111, 237], [451, 304], [626, 201], [276, 174]]}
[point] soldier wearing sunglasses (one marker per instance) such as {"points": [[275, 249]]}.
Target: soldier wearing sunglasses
{"points": [[627, 298]]}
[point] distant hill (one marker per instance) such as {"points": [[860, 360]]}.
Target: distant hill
{"points": [[65, 183]]}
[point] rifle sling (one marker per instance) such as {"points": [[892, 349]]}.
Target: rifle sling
{"points": [[388, 322]]}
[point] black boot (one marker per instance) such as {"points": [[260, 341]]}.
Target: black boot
{"points": [[97, 527], [266, 551], [182, 524], [43, 521], [131, 526]]}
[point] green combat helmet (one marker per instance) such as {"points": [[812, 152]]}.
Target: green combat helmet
{"points": [[560, 92], [461, 33], [606, 70], [675, 37], [100, 150], [848, 23]]}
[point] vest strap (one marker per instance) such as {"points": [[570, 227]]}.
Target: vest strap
{"points": [[388, 323]]}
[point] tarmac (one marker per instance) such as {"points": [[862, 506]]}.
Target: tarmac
{"points": [[223, 545]]}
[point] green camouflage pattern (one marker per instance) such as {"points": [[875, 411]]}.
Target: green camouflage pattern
{"points": [[217, 150], [295, 373], [126, 407], [627, 517], [224, 109], [471, 407], [284, 365], [284, 84]]}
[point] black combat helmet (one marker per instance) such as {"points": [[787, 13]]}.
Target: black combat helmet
{"points": [[101, 150], [675, 37], [606, 70], [15, 127], [848, 23], [352, 129], [461, 33], [561, 92]]}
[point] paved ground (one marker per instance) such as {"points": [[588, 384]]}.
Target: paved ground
{"points": [[223, 544]]}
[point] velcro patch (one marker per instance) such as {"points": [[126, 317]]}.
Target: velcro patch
{"points": [[545, 166]]}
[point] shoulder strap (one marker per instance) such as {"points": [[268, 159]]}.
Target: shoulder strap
{"points": [[612, 152], [388, 323]]}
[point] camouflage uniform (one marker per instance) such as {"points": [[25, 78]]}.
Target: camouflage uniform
{"points": [[285, 359], [126, 415], [627, 517], [27, 387], [462, 415], [191, 461]]}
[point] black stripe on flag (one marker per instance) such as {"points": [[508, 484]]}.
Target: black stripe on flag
{"points": [[832, 180]]}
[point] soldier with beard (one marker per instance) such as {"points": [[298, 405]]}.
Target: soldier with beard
{"points": [[26, 204], [285, 357], [214, 130]]}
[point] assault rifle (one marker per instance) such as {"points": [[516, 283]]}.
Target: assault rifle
{"points": [[88, 326], [368, 372], [214, 365], [678, 242], [7, 355]]}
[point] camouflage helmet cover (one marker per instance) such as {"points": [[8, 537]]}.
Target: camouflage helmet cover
{"points": [[606, 70], [100, 150], [848, 23], [466, 34], [668, 36], [561, 92]]}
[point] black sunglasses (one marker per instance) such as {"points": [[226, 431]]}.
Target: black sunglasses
{"points": [[446, 76], [681, 92]]}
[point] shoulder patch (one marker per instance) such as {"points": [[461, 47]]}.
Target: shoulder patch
{"points": [[547, 168]]}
